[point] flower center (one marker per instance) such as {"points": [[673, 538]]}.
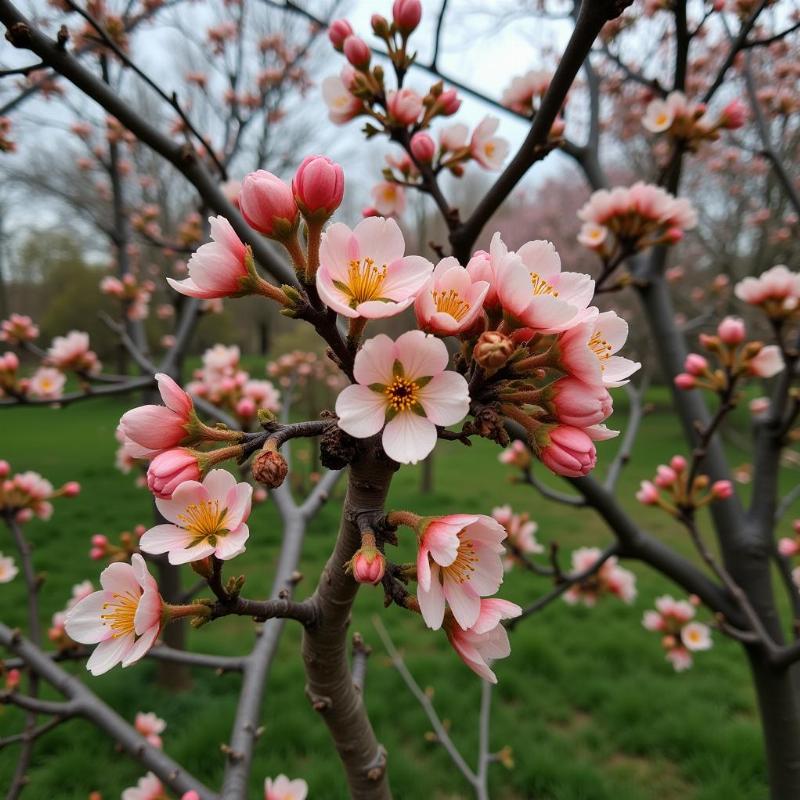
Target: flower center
{"points": [[450, 302], [364, 281], [121, 613], [401, 394], [600, 347], [465, 558], [541, 286], [489, 149], [205, 520]]}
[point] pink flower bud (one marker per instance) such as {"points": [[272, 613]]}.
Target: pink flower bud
{"points": [[674, 235], [448, 102], [318, 187], [579, 404], [5, 468], [734, 115], [405, 106], [96, 553], [357, 52], [731, 330], [98, 540], [788, 547], [569, 452], [71, 489], [423, 148], [338, 31], [695, 364], [13, 677], [268, 204], [368, 565], [190, 795], [684, 381], [759, 405], [722, 490], [678, 463], [24, 515], [169, 470], [406, 14], [665, 476], [647, 494], [380, 25], [246, 408]]}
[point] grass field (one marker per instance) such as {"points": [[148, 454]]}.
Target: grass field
{"points": [[586, 701]]}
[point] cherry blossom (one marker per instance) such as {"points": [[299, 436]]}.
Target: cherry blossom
{"points": [[609, 579], [281, 788], [403, 388], [150, 726], [364, 273], [149, 787], [488, 150], [123, 618], [204, 519], [8, 569], [47, 383]]}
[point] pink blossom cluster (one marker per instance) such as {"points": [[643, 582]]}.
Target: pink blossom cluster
{"points": [[681, 634], [690, 122], [517, 454], [610, 578], [223, 382], [520, 538], [671, 491], [628, 219], [25, 495], [459, 567], [72, 353], [134, 295], [526, 91], [18, 329], [776, 292], [736, 359], [128, 544], [300, 368]]}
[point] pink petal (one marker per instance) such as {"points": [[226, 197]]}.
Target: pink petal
{"points": [[333, 297], [333, 251], [361, 411], [141, 646], [421, 355], [109, 653], [431, 602], [148, 612], [83, 623], [463, 601], [374, 361], [380, 239], [408, 438], [445, 398], [189, 554], [185, 494], [406, 276], [239, 503], [163, 538], [232, 544], [119, 578]]}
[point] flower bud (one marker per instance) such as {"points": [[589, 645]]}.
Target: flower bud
{"points": [[492, 350], [270, 468], [318, 187], [357, 52], [568, 451], [5, 468], [788, 547], [380, 26], [406, 15], [170, 469], [734, 115], [759, 405], [665, 476], [721, 490], [338, 31], [71, 489], [448, 103], [731, 331], [405, 106], [368, 564], [268, 205], [695, 364], [678, 463], [98, 540], [648, 493], [685, 381], [423, 148]]}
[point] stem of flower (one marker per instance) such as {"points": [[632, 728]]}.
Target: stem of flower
{"points": [[407, 518]]}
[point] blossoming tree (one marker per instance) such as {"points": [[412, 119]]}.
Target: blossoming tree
{"points": [[502, 344]]}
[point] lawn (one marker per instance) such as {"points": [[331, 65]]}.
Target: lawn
{"points": [[587, 703]]}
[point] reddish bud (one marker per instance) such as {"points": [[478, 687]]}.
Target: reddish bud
{"points": [[695, 364], [406, 14], [267, 204], [685, 381], [170, 469], [71, 489], [678, 463], [318, 187], [423, 148], [270, 468], [493, 350], [357, 52], [368, 565], [722, 490], [338, 31], [448, 102], [731, 331]]}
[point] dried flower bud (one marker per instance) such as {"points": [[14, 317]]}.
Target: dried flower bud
{"points": [[270, 468], [493, 350]]}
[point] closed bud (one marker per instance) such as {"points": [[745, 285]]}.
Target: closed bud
{"points": [[380, 26], [368, 564], [318, 187], [357, 52], [492, 350], [721, 490], [270, 468], [423, 148], [731, 331], [406, 15], [338, 31]]}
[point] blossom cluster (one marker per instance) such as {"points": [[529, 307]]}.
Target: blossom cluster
{"points": [[135, 295], [776, 292], [610, 578], [681, 634], [625, 220], [520, 538], [25, 495], [670, 489]]}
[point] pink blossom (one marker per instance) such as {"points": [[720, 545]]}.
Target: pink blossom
{"points": [[267, 203], [404, 106], [318, 186], [149, 430], [8, 569], [18, 328], [281, 788], [149, 787], [453, 137], [364, 272], [696, 636], [516, 454], [389, 199], [170, 469], [356, 51], [610, 578], [150, 726], [203, 519], [486, 640], [219, 267], [403, 388], [448, 103], [47, 383], [680, 658], [524, 90], [72, 352], [568, 451], [342, 104], [406, 15], [788, 547], [731, 331], [451, 301], [776, 291], [533, 289], [588, 350], [338, 31], [488, 150], [123, 619], [458, 561], [767, 363], [423, 148], [579, 404], [592, 235]]}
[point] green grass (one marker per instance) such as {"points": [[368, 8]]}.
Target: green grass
{"points": [[586, 701]]}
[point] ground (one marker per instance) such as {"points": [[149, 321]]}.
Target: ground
{"points": [[587, 703]]}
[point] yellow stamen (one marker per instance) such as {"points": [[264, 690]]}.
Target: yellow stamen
{"points": [[401, 394], [541, 286], [364, 281], [122, 610], [205, 518], [459, 570], [450, 302], [600, 347]]}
